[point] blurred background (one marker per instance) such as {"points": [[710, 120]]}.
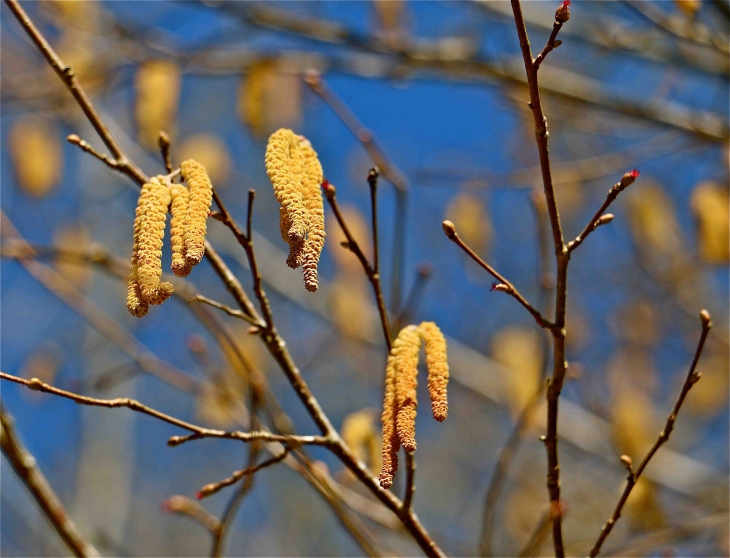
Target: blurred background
{"points": [[440, 87]]}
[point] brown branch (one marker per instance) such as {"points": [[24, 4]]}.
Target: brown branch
{"points": [[68, 76], [410, 481], [504, 285], [562, 256], [551, 45], [185, 506], [112, 163], [227, 309], [27, 470], [371, 271], [164, 143], [599, 218], [212, 488], [633, 477], [198, 431]]}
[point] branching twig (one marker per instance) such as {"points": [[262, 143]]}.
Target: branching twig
{"points": [[551, 44], [198, 431], [504, 285], [227, 309], [25, 466], [633, 477]]}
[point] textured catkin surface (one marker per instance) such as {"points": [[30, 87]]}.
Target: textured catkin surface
{"points": [[406, 380], [284, 178], [391, 443], [311, 180], [149, 233], [438, 368], [200, 199], [136, 306], [179, 209]]}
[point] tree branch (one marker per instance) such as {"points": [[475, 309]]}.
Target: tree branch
{"points": [[691, 379], [25, 466]]}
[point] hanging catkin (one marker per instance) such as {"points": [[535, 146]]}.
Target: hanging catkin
{"points": [[136, 306], [311, 181], [391, 443], [287, 187], [200, 199], [406, 380], [149, 232], [438, 368], [179, 209]]}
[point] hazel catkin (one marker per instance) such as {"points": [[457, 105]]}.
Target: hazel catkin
{"points": [[406, 380], [311, 180], [391, 443], [179, 210], [284, 179], [149, 229], [200, 199], [438, 368]]}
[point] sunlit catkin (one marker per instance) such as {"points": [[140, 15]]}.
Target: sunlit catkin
{"points": [[406, 380], [201, 197], [438, 368], [284, 179], [149, 232], [179, 209], [311, 181], [391, 443]]}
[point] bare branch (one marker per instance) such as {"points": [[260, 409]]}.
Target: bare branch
{"points": [[227, 309], [210, 489], [185, 506], [25, 466], [633, 477]]}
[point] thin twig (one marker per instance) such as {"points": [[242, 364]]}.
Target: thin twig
{"points": [[410, 481], [198, 431], [164, 143], [26, 467], [550, 45], [504, 285], [68, 76], [212, 488], [112, 163], [633, 475], [373, 275], [186, 506], [227, 309], [599, 218]]}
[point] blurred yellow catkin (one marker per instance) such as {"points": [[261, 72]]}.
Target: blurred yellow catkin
{"points": [[199, 202], [358, 432], [157, 85], [710, 205], [653, 220], [36, 153], [77, 238], [519, 350], [270, 97], [210, 152], [475, 227]]}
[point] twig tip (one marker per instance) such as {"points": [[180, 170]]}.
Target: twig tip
{"points": [[449, 229]]}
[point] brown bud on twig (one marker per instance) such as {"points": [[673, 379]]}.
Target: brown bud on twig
{"points": [[706, 319], [628, 179], [562, 14], [449, 229], [694, 378], [604, 219], [73, 138], [163, 141], [626, 461]]}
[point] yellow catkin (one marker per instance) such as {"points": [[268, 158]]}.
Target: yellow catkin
{"points": [[391, 442], [136, 306], [311, 181], [149, 232], [200, 199], [179, 209], [438, 368], [287, 187], [406, 380]]}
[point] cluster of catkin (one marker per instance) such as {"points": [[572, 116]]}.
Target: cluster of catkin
{"points": [[296, 174], [189, 207], [401, 379]]}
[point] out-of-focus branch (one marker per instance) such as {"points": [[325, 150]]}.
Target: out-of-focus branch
{"points": [[185, 506], [25, 466], [227, 309], [633, 477], [212, 488]]}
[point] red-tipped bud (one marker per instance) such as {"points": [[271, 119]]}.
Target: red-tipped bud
{"points": [[562, 14], [628, 179], [329, 189]]}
